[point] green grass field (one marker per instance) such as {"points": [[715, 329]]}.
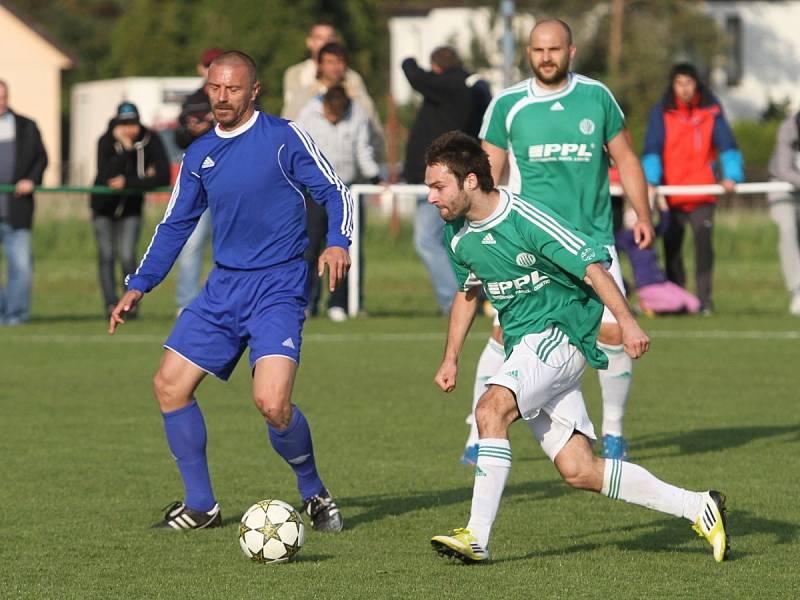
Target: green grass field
{"points": [[85, 468]]}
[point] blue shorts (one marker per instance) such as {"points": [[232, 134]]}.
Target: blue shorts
{"points": [[263, 309]]}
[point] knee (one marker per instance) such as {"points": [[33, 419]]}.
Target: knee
{"points": [[276, 410], [169, 394], [610, 334], [496, 410]]}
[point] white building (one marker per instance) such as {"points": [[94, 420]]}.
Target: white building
{"points": [[417, 33], [94, 104], [762, 62], [763, 59]]}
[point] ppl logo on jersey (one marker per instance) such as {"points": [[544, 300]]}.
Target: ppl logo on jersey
{"points": [[586, 126], [525, 260], [505, 290], [560, 152]]}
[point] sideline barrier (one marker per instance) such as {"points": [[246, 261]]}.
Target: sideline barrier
{"points": [[411, 192], [98, 189]]}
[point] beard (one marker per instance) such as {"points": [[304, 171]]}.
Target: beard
{"points": [[556, 76], [228, 115]]}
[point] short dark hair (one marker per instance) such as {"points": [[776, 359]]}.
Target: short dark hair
{"points": [[337, 101], [462, 155], [688, 69], [334, 48], [446, 57], [684, 68], [234, 56]]}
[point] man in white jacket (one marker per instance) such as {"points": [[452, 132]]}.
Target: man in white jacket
{"points": [[341, 128], [784, 207]]}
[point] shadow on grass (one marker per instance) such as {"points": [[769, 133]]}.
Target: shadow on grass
{"points": [[674, 535], [380, 506], [699, 441]]}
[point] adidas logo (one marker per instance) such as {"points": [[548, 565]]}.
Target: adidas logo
{"points": [[299, 459], [208, 163], [288, 343], [557, 106], [514, 374], [479, 472], [488, 239]]}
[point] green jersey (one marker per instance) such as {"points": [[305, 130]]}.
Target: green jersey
{"points": [[556, 145], [531, 264]]}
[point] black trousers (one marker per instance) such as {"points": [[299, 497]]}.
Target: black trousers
{"points": [[317, 229], [701, 220]]}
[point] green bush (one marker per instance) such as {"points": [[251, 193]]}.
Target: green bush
{"points": [[756, 140]]}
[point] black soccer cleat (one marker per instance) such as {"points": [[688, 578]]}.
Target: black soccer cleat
{"points": [[323, 512], [180, 517]]}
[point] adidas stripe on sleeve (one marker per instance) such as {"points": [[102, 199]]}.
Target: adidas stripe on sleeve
{"points": [[307, 165], [557, 240]]}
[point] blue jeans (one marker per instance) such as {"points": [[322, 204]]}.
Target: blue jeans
{"points": [[116, 242], [429, 243], [15, 299], [190, 262]]}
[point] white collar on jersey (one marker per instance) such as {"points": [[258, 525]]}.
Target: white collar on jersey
{"points": [[498, 214], [540, 93], [239, 130]]}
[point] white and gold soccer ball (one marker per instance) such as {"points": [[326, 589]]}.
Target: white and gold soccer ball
{"points": [[271, 531]]}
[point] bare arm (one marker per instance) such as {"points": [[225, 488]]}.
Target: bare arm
{"points": [[634, 340], [635, 186], [462, 313], [498, 160]]}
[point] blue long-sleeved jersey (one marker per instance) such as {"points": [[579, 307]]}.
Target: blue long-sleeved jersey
{"points": [[251, 179]]}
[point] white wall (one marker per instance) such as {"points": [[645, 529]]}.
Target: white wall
{"points": [[770, 53], [418, 36], [94, 104]]}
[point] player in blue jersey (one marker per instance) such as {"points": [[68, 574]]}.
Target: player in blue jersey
{"points": [[250, 172]]}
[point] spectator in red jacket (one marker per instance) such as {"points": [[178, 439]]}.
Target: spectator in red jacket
{"points": [[688, 142]]}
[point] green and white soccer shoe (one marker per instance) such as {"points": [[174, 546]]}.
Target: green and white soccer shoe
{"points": [[712, 524], [461, 545]]}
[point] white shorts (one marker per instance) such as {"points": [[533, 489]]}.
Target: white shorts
{"points": [[616, 272], [544, 373]]}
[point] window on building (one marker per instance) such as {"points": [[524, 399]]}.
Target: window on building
{"points": [[733, 62]]}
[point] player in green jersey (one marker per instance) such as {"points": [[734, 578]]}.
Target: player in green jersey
{"points": [[554, 133], [548, 282]]}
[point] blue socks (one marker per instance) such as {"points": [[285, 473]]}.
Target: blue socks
{"points": [[186, 436], [295, 447]]}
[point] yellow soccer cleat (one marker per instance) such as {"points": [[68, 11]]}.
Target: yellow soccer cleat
{"points": [[462, 545], [711, 524]]}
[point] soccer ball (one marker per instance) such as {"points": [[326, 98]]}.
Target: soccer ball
{"points": [[271, 531]]}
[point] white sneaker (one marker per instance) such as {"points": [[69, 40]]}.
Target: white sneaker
{"points": [[337, 314], [794, 305]]}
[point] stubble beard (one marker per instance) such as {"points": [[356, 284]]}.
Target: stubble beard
{"points": [[231, 118], [559, 76]]}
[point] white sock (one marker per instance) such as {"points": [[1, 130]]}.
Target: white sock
{"points": [[492, 358], [491, 472], [615, 385], [632, 483]]}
